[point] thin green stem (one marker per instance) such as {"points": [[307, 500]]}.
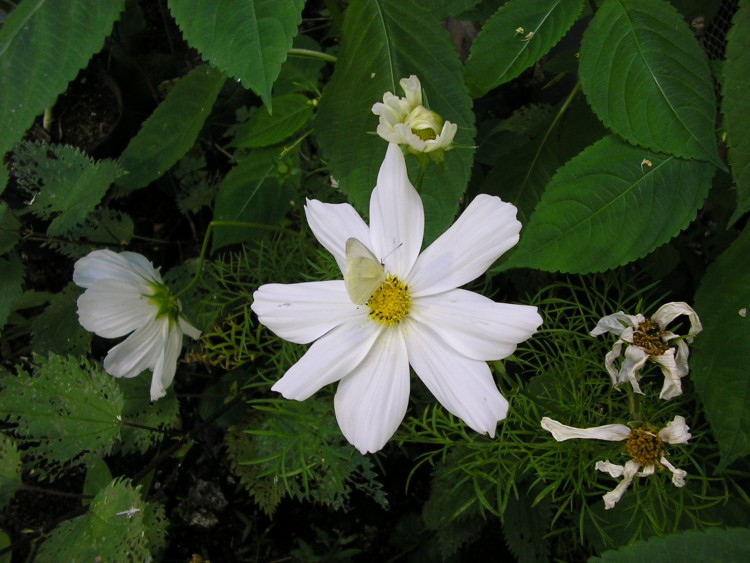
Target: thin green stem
{"points": [[310, 54], [207, 238]]}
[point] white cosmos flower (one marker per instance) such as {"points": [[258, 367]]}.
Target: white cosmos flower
{"points": [[649, 340], [125, 294], [416, 316], [644, 445], [405, 121]]}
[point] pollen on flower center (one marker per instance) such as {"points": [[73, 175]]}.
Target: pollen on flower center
{"points": [[648, 337], [426, 134], [391, 302], [645, 446]]}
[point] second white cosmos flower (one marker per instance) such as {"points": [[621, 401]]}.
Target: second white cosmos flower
{"points": [[415, 316]]}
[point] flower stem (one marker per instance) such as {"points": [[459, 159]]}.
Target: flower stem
{"points": [[207, 238], [310, 54]]}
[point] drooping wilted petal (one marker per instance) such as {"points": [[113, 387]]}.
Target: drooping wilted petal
{"points": [[609, 432], [628, 472], [670, 311]]}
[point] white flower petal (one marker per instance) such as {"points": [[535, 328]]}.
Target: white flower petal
{"points": [[465, 387], [609, 432], [334, 223], [676, 432], [678, 475], [632, 364], [396, 215], [672, 386], [166, 364], [330, 358], [613, 324], [609, 362], [474, 325], [612, 468], [412, 89], [484, 231], [139, 351], [188, 329], [111, 312], [126, 267], [302, 312], [612, 497], [670, 311], [371, 401]]}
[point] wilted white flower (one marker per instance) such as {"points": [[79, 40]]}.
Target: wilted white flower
{"points": [[645, 446], [397, 307], [405, 121], [125, 294], [649, 340]]}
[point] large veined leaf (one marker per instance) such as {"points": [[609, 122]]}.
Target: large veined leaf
{"points": [[722, 351], [43, 45], [383, 42], [67, 184], [247, 39], [517, 36], [172, 129], [692, 546], [736, 105], [119, 526], [611, 204], [255, 191], [648, 80], [291, 113], [66, 414]]}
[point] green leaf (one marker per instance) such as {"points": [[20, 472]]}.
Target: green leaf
{"points": [[57, 330], [172, 129], [606, 207], [140, 410], [43, 45], [10, 470], [692, 546], [648, 80], [736, 106], [103, 227], [384, 41], [247, 39], [9, 228], [67, 413], [70, 184], [256, 191], [290, 113], [503, 48], [98, 476], [116, 528], [722, 350], [10, 285]]}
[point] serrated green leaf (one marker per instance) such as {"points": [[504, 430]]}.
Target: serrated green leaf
{"points": [[148, 416], [103, 227], [70, 184], [98, 476], [247, 39], [38, 57], [736, 106], [10, 470], [384, 41], [290, 113], [10, 285], [606, 207], [9, 228], [503, 48], [648, 80], [67, 413], [722, 351], [172, 129], [254, 191], [115, 529], [57, 329], [715, 544]]}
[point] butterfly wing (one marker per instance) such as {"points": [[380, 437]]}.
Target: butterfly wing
{"points": [[364, 274]]}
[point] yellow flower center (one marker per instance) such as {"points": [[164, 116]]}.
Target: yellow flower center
{"points": [[425, 134], [645, 446], [648, 337], [391, 302]]}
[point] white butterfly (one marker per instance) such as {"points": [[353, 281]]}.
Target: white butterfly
{"points": [[364, 273]]}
